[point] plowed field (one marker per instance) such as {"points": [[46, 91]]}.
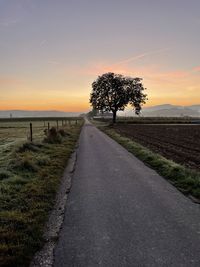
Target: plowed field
{"points": [[180, 143]]}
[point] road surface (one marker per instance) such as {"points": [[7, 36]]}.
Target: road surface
{"points": [[122, 213]]}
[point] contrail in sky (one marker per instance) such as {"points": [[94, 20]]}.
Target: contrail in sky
{"points": [[140, 56]]}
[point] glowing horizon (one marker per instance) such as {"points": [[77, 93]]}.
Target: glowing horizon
{"points": [[49, 64]]}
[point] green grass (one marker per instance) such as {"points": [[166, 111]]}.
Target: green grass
{"points": [[186, 180], [29, 179]]}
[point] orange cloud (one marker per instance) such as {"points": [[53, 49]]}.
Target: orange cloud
{"points": [[152, 72], [196, 69], [6, 81], [118, 67], [101, 68]]}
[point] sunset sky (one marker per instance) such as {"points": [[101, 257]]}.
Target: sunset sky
{"points": [[52, 50]]}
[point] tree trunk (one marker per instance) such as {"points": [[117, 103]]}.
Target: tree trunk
{"points": [[114, 116]]}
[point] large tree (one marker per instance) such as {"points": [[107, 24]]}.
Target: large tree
{"points": [[113, 92]]}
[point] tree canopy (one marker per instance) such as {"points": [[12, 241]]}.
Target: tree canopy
{"points": [[113, 92]]}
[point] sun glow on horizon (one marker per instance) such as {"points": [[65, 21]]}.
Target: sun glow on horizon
{"points": [[174, 87], [51, 64]]}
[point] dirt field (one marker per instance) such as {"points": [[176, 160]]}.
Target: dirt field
{"points": [[181, 143]]}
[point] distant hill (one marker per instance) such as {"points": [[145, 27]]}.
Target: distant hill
{"points": [[168, 110], [25, 113], [195, 107], [160, 107]]}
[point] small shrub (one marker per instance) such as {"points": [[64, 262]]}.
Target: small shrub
{"points": [[53, 137], [63, 133]]}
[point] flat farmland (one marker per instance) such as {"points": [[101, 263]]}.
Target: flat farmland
{"points": [[180, 143], [17, 131]]}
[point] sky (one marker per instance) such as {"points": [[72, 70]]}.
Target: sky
{"points": [[52, 50]]}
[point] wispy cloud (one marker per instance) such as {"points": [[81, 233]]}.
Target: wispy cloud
{"points": [[146, 54], [121, 66], [53, 62], [8, 22], [10, 81], [43, 42]]}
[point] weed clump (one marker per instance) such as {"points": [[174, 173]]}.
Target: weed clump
{"points": [[28, 146], [63, 133], [53, 137]]}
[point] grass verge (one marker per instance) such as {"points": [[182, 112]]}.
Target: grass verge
{"points": [[186, 180], [27, 193]]}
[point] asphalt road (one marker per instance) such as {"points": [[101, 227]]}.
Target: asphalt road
{"points": [[122, 213]]}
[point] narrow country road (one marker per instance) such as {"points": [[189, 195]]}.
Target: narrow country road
{"points": [[122, 213]]}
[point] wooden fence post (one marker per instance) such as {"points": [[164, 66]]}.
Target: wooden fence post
{"points": [[48, 126], [31, 132]]}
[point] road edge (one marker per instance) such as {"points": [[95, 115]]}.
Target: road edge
{"points": [[45, 256], [147, 157]]}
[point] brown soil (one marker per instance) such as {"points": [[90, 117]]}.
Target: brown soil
{"points": [[180, 143]]}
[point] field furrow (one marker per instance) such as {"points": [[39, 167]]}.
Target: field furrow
{"points": [[180, 143]]}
